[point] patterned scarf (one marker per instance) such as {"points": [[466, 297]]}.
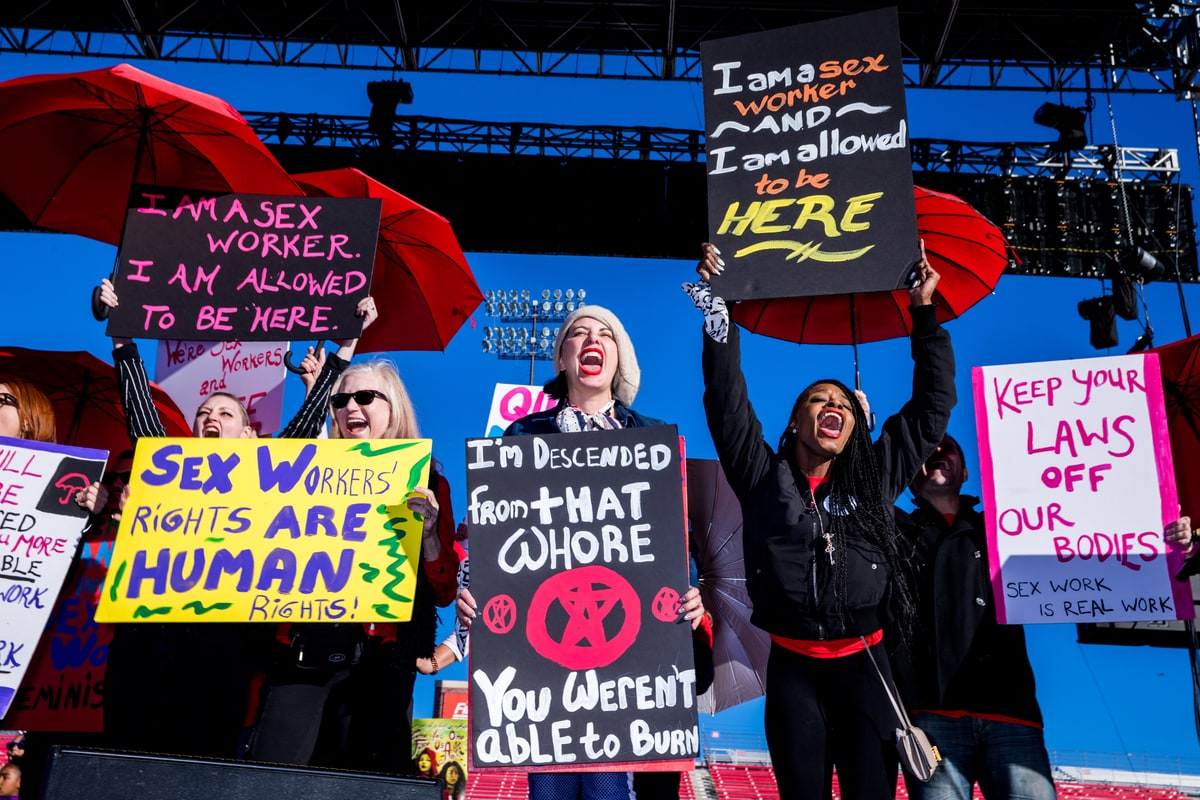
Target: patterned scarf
{"points": [[572, 420]]}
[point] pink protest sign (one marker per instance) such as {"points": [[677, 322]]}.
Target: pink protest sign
{"points": [[511, 401], [1078, 485], [253, 372]]}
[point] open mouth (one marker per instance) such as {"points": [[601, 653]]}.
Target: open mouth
{"points": [[830, 424], [356, 425], [211, 433], [591, 361]]}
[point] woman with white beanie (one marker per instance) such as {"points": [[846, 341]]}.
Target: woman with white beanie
{"points": [[596, 382]]}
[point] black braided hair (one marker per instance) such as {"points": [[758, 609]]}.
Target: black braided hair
{"points": [[855, 483]]}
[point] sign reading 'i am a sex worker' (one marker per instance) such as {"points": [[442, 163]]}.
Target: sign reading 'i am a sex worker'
{"points": [[1078, 486], [40, 528], [809, 174], [578, 559], [286, 530], [244, 267]]}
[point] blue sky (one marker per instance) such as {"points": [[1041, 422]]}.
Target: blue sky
{"points": [[1105, 699]]}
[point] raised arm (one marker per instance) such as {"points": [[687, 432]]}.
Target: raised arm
{"points": [[307, 422], [735, 429], [911, 435], [141, 416]]}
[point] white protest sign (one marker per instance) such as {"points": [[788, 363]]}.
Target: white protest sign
{"points": [[1078, 485], [511, 401], [40, 528], [253, 372]]}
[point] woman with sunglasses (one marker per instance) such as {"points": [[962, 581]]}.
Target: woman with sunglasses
{"points": [[342, 699], [178, 687]]}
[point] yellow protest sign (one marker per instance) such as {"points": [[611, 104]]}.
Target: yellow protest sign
{"points": [[285, 530]]}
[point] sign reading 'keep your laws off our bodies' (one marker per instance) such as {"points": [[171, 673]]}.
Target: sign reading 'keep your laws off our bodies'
{"points": [[244, 267], [40, 528], [578, 559], [809, 173], [1078, 485], [286, 530]]}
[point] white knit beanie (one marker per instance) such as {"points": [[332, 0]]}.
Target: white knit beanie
{"points": [[628, 376]]}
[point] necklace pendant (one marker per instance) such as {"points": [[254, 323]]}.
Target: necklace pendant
{"points": [[829, 548]]}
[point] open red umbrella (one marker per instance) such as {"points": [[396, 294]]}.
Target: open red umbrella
{"points": [[420, 270], [87, 402], [740, 649], [73, 145], [1179, 365], [968, 251]]}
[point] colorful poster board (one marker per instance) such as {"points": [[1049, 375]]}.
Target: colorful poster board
{"points": [[1078, 485], [40, 529], [287, 530], [244, 267], [63, 688], [253, 372], [578, 558], [511, 401], [440, 751], [809, 174]]}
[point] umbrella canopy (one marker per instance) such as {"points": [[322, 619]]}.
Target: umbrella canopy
{"points": [[739, 648], [420, 270], [967, 250], [72, 147], [1179, 363], [87, 402]]}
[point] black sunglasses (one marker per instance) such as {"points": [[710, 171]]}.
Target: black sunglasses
{"points": [[7, 399], [109, 477], [364, 397]]}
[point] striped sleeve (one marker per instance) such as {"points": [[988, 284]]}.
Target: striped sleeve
{"points": [[311, 416], [141, 416]]}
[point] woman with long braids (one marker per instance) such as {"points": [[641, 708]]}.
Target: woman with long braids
{"points": [[822, 566]]}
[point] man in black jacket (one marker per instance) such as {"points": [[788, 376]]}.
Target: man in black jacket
{"points": [[967, 680]]}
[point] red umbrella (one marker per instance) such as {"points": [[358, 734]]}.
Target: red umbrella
{"points": [[72, 147], [87, 402], [966, 249], [420, 270], [1179, 364]]}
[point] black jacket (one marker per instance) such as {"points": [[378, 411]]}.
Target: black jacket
{"points": [[788, 574], [962, 659]]}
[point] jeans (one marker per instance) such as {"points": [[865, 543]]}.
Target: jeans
{"points": [[1008, 760]]}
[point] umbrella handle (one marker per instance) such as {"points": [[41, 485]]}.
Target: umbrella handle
{"points": [[287, 358], [99, 310]]}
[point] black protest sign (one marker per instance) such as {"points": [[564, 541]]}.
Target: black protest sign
{"points": [[244, 267], [578, 559], [809, 171]]}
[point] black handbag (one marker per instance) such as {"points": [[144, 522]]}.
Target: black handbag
{"points": [[917, 755]]}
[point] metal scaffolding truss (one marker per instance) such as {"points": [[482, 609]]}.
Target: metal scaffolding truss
{"points": [[430, 134], [1120, 45]]}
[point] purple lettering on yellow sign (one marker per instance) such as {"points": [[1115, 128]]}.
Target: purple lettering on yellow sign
{"points": [[265, 531]]}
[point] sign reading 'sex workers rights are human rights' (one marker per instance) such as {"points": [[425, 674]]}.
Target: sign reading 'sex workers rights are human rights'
{"points": [[809, 172], [244, 267]]}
